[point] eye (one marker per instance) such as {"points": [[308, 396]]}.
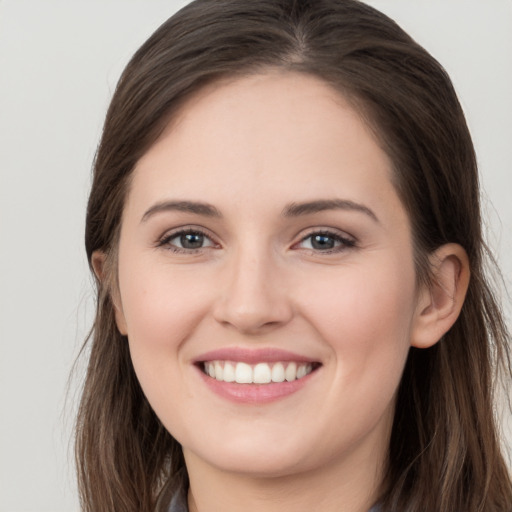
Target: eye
{"points": [[186, 241], [326, 241]]}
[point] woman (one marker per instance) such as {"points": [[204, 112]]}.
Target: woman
{"points": [[292, 311]]}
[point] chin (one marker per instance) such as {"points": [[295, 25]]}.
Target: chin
{"points": [[258, 464], [264, 455]]}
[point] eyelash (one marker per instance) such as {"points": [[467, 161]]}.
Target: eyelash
{"points": [[166, 241], [343, 242]]}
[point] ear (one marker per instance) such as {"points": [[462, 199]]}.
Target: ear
{"points": [[440, 303], [99, 265]]}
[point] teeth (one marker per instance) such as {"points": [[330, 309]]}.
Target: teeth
{"points": [[229, 372], [278, 372], [291, 372], [301, 372], [243, 373], [219, 370], [261, 373]]}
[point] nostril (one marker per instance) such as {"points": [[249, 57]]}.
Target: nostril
{"points": [[252, 320]]}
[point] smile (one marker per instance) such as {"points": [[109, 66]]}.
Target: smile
{"points": [[255, 376], [259, 373]]}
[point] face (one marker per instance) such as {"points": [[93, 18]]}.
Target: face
{"points": [[266, 279]]}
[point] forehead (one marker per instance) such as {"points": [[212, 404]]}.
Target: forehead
{"points": [[231, 112], [276, 134]]}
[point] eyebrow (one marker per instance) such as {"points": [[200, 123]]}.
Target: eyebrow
{"points": [[198, 208], [307, 208], [290, 210]]}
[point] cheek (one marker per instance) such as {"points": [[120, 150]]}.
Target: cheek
{"points": [[162, 312], [155, 297], [365, 301], [162, 308], [366, 318]]}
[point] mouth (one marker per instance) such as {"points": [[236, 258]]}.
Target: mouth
{"points": [[255, 376], [263, 372]]}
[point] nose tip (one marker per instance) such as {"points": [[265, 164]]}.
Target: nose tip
{"points": [[251, 320], [254, 300]]}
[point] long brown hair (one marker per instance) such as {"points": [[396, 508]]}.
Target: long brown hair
{"points": [[444, 452]]}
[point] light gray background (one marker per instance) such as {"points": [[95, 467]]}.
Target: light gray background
{"points": [[59, 62]]}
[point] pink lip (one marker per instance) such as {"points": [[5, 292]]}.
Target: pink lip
{"points": [[254, 393], [243, 355]]}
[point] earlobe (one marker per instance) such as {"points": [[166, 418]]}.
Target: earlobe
{"points": [[120, 320], [439, 305], [99, 264]]}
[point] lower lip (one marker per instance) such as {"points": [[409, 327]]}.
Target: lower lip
{"points": [[255, 393]]}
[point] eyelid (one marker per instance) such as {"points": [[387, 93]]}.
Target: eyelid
{"points": [[346, 240], [163, 241]]}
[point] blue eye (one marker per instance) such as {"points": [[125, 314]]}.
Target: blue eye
{"points": [[184, 241], [326, 242]]}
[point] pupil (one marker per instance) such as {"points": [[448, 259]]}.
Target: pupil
{"points": [[322, 242], [192, 241]]}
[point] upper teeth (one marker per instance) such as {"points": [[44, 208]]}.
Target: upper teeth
{"points": [[260, 373]]}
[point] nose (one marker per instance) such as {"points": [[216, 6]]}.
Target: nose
{"points": [[253, 297]]}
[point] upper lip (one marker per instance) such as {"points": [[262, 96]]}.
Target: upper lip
{"points": [[253, 356]]}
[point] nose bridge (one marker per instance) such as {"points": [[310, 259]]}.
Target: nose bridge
{"points": [[254, 295]]}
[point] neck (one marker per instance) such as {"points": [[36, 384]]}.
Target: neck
{"points": [[352, 487]]}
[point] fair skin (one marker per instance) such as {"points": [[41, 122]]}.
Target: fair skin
{"points": [[263, 225]]}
